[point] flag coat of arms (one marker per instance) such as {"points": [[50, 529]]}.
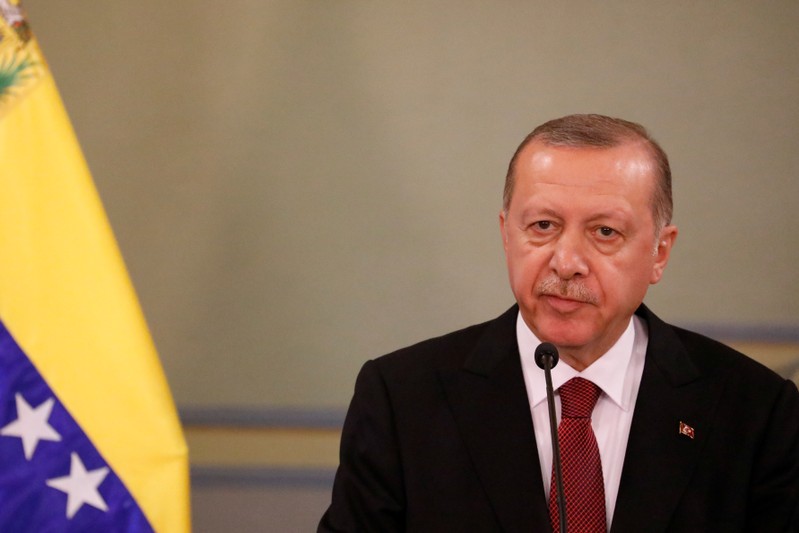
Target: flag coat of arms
{"points": [[89, 436]]}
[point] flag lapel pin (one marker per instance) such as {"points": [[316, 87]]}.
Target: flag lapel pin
{"points": [[686, 430]]}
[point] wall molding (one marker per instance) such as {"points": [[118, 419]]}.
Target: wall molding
{"points": [[263, 417], [213, 476]]}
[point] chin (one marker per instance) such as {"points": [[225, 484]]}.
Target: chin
{"points": [[570, 340], [564, 332]]}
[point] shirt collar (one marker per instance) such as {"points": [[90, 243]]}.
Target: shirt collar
{"points": [[608, 372]]}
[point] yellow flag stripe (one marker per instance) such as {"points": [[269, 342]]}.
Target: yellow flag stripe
{"points": [[66, 298]]}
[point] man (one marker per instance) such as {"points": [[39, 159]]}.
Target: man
{"points": [[681, 434]]}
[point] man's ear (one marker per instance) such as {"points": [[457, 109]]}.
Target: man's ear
{"points": [[502, 229], [662, 252]]}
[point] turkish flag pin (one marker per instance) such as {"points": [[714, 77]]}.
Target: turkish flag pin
{"points": [[686, 430]]}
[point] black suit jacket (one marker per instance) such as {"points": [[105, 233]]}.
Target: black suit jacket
{"points": [[439, 437]]}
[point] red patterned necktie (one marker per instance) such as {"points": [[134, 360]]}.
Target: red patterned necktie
{"points": [[583, 486]]}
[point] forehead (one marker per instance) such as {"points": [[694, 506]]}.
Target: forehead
{"points": [[626, 170]]}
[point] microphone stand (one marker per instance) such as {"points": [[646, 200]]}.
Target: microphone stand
{"points": [[546, 357]]}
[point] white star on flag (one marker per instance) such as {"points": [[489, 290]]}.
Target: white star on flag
{"points": [[81, 486], [31, 425]]}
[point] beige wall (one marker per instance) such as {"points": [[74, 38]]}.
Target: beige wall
{"points": [[298, 186]]}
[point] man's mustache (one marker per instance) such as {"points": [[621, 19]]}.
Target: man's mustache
{"points": [[569, 289]]}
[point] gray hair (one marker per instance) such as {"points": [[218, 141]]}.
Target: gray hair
{"points": [[600, 131]]}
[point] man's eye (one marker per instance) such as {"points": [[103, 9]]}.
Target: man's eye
{"points": [[605, 231], [543, 224]]}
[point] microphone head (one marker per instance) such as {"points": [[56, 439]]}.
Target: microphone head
{"points": [[546, 349]]}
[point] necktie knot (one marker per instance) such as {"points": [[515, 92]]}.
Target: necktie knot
{"points": [[578, 397]]}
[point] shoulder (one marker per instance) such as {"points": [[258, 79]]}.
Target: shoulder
{"points": [[711, 355], [751, 380], [449, 351], [714, 359]]}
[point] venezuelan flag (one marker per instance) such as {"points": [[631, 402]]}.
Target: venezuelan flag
{"points": [[89, 436]]}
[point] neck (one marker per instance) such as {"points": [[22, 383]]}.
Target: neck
{"points": [[581, 357], [578, 361]]}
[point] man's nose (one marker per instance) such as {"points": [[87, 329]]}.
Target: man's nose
{"points": [[569, 256]]}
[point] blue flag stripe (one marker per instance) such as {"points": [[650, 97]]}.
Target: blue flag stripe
{"points": [[30, 497]]}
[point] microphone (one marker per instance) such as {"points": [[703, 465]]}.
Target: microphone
{"points": [[546, 357]]}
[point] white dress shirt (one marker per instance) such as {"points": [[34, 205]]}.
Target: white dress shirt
{"points": [[618, 373]]}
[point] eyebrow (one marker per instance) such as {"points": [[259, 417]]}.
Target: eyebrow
{"points": [[612, 214], [542, 211]]}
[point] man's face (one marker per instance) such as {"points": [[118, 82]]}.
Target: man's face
{"points": [[580, 244]]}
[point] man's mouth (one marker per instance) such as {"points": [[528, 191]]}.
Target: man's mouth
{"points": [[563, 304]]}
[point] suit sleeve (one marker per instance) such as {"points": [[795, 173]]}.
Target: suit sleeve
{"points": [[368, 491], [774, 496]]}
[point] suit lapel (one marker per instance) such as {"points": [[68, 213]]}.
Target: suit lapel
{"points": [[489, 402], [659, 460]]}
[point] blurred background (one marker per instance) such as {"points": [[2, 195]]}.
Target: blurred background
{"points": [[298, 186]]}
